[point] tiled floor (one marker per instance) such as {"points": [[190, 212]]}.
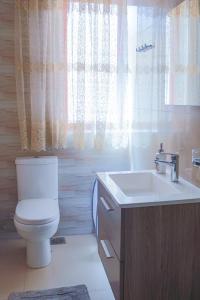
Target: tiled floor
{"points": [[76, 262]]}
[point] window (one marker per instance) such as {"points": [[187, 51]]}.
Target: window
{"points": [[93, 63]]}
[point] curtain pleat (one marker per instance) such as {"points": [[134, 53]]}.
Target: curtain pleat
{"points": [[97, 63], [71, 73], [40, 47], [184, 53]]}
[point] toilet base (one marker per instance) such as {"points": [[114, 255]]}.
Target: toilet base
{"points": [[38, 253]]}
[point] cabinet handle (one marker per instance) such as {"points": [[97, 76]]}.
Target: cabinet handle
{"points": [[105, 249], [105, 204]]}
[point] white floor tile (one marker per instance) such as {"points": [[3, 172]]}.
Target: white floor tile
{"points": [[101, 295], [39, 279], [81, 264], [76, 262]]}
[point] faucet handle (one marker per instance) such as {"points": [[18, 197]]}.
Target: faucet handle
{"points": [[175, 168]]}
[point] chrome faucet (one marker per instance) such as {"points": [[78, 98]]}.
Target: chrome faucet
{"points": [[174, 165]]}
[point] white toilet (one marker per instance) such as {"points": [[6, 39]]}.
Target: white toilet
{"points": [[37, 212]]}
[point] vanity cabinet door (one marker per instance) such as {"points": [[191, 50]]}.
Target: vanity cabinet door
{"points": [[109, 222], [112, 266]]}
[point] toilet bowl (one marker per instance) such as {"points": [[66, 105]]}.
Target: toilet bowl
{"points": [[36, 220], [37, 213]]}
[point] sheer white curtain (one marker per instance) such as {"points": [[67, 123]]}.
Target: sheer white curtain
{"points": [[41, 73], [71, 73], [184, 53], [151, 121], [98, 69]]}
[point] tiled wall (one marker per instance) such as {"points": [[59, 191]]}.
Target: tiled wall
{"points": [[182, 123], [76, 169], [186, 124], [181, 135]]}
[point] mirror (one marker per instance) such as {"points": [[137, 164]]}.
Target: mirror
{"points": [[183, 54]]}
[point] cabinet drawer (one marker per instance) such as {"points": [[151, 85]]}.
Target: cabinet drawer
{"points": [[112, 266], [109, 220]]}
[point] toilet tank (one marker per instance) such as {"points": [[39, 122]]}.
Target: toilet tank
{"points": [[37, 177]]}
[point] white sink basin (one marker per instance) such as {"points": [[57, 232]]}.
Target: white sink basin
{"points": [[143, 184], [147, 188]]}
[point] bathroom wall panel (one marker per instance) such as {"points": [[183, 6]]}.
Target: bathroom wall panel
{"points": [[77, 171], [76, 213], [186, 124]]}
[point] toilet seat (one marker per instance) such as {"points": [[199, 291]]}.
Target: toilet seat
{"points": [[36, 211]]}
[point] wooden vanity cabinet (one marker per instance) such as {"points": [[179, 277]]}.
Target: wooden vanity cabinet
{"points": [[150, 253], [110, 240]]}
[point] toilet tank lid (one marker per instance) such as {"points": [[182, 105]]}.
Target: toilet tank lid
{"points": [[36, 160]]}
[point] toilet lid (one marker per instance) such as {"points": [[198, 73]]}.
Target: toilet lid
{"points": [[36, 211]]}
